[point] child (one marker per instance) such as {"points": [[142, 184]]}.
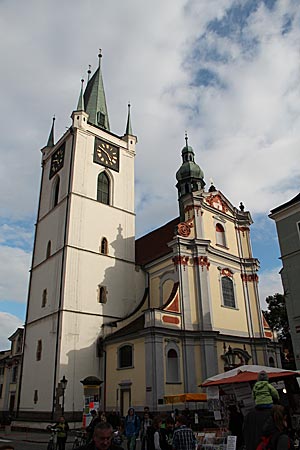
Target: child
{"points": [[264, 393]]}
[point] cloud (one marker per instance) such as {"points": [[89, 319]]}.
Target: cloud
{"points": [[227, 71], [14, 269], [269, 284], [8, 325]]}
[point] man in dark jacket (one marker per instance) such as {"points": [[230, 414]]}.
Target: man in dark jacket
{"points": [[102, 438], [253, 425]]}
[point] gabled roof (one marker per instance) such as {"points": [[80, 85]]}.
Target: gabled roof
{"points": [[154, 244], [287, 204]]}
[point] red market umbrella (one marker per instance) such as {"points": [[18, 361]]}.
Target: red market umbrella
{"points": [[243, 374]]}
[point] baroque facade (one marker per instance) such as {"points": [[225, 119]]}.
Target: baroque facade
{"points": [[146, 317]]}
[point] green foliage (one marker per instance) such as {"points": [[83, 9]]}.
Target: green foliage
{"points": [[276, 316]]}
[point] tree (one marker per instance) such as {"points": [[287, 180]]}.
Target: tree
{"points": [[277, 318]]}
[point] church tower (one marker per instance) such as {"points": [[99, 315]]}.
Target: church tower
{"points": [[83, 265]]}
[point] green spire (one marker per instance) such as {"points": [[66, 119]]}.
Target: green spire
{"points": [[50, 142], [94, 99], [128, 126], [80, 104]]}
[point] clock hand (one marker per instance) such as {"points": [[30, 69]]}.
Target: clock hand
{"points": [[107, 154]]}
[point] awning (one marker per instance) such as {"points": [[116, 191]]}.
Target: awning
{"points": [[183, 398], [244, 374]]}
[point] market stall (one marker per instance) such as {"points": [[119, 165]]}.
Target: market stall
{"points": [[234, 387]]}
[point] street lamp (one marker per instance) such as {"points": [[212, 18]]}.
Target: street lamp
{"points": [[63, 384]]}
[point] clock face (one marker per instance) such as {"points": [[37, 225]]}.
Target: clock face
{"points": [[57, 160], [106, 154]]}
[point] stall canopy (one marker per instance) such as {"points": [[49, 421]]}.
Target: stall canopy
{"points": [[183, 398], [247, 373]]}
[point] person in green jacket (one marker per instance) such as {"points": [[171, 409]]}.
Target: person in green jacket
{"points": [[63, 428], [264, 393]]}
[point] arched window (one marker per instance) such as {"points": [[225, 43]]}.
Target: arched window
{"points": [[172, 366], [125, 357], [104, 246], [271, 361], [48, 251], [220, 235], [56, 191], [103, 188], [102, 293], [228, 292]]}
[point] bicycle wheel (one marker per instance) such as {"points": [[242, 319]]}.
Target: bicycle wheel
{"points": [[50, 445], [76, 444]]}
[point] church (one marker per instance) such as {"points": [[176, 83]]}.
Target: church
{"points": [[135, 319]]}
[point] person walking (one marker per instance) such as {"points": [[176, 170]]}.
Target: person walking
{"points": [[275, 429], [132, 428], [146, 423], [91, 427], [102, 438], [183, 437], [62, 433]]}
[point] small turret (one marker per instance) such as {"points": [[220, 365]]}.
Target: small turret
{"points": [[50, 142], [190, 177], [128, 126]]}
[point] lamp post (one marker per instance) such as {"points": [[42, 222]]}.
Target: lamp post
{"points": [[63, 383]]}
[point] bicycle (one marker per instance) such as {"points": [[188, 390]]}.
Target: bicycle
{"points": [[80, 439], [52, 444]]}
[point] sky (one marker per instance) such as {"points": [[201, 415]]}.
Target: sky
{"points": [[225, 71]]}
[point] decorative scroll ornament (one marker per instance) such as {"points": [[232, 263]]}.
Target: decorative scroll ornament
{"points": [[249, 278], [226, 273], [180, 260], [184, 228], [217, 202], [201, 261]]}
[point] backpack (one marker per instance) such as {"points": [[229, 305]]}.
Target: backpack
{"points": [[264, 443], [270, 442]]}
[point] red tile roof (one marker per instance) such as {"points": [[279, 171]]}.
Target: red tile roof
{"points": [[154, 244]]}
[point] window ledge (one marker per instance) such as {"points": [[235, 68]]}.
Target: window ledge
{"points": [[230, 307], [125, 368], [222, 246], [173, 382]]}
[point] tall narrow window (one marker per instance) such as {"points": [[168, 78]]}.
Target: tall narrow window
{"points": [[19, 345], [39, 350], [56, 192], [14, 374], [48, 251], [102, 293], [228, 292], [104, 246], [125, 357], [35, 396], [44, 298], [220, 235], [103, 188], [172, 366], [1, 390]]}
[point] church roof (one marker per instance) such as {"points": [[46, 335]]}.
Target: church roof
{"points": [[94, 100], [154, 244]]}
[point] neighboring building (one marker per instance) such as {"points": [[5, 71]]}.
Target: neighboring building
{"points": [[287, 219], [10, 368], [145, 318]]}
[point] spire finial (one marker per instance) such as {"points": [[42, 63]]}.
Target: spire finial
{"points": [[89, 73], [186, 138], [128, 126], [50, 142], [100, 56], [80, 104]]}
